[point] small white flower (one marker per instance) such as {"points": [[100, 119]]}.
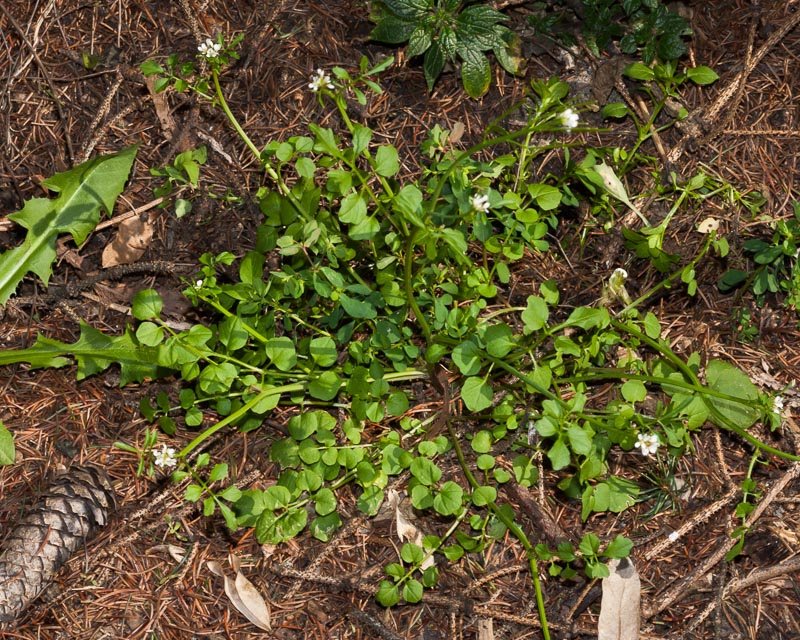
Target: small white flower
{"points": [[777, 405], [199, 283], [209, 48], [319, 80], [165, 458], [569, 119], [647, 443], [480, 203]]}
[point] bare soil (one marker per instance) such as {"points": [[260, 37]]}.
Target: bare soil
{"points": [[56, 112]]}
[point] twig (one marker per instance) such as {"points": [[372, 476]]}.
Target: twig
{"points": [[685, 584], [705, 117]]}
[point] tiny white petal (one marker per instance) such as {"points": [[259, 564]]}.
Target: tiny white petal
{"points": [[673, 537], [777, 405], [569, 119], [647, 443], [480, 203], [165, 458], [320, 79]]}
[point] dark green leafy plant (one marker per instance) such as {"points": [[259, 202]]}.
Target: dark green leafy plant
{"points": [[447, 31], [648, 27], [183, 172], [777, 269]]}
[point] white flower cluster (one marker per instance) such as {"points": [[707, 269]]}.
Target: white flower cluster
{"points": [[569, 119], [165, 458], [319, 80], [209, 48], [480, 203], [647, 443]]}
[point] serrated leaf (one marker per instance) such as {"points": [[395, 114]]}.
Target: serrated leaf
{"points": [[476, 73], [419, 41], [433, 64], [409, 8], [94, 352], [393, 30], [83, 192]]}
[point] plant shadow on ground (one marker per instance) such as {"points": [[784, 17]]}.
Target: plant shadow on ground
{"points": [[327, 590]]}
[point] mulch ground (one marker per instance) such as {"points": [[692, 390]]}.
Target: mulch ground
{"points": [[56, 112]]}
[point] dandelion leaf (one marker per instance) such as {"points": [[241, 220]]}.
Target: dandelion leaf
{"points": [[83, 192], [94, 352]]}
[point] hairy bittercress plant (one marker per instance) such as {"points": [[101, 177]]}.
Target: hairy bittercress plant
{"points": [[384, 282]]}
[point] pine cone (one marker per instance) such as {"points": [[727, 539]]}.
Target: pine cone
{"points": [[65, 517]]}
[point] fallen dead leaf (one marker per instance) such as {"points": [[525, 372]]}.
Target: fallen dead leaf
{"points": [[406, 530], [161, 105], [243, 594], [620, 606], [129, 244]]}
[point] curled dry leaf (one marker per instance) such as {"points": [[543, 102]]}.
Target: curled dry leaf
{"points": [[406, 530], [708, 225], [132, 239], [178, 554], [620, 607], [243, 595]]}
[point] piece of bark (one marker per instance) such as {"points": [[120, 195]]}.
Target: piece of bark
{"points": [[62, 520]]}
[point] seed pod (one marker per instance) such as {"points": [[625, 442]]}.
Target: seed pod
{"points": [[64, 518]]}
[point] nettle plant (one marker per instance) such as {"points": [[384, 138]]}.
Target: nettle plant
{"points": [[651, 28], [383, 284], [447, 31]]}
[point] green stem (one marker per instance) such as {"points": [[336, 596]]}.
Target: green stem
{"points": [[667, 281], [239, 413], [409, 286], [232, 119], [513, 527], [719, 418]]}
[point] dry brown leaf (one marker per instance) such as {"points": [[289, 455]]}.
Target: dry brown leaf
{"points": [[178, 554], [129, 244], [406, 530], [620, 607], [486, 629], [243, 595], [162, 108]]}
